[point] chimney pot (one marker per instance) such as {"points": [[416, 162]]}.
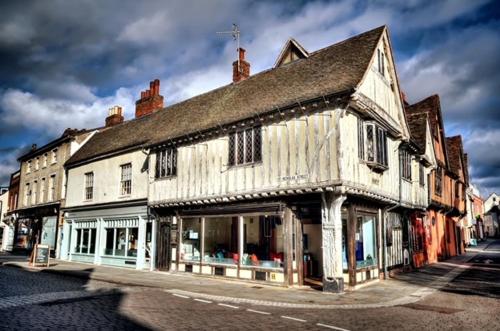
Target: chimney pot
{"points": [[115, 116]]}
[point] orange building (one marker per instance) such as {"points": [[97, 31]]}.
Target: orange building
{"points": [[439, 229]]}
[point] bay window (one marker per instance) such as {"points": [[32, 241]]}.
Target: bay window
{"points": [[372, 145]]}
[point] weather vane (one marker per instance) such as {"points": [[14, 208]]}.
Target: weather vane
{"points": [[235, 33]]}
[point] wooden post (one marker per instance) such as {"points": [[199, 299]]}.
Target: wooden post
{"points": [[299, 250], [240, 243], [351, 241], [287, 221], [332, 241], [179, 242]]}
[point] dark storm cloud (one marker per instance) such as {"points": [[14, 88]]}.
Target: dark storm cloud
{"points": [[63, 63]]}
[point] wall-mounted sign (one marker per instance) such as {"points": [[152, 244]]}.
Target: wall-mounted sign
{"points": [[293, 177]]}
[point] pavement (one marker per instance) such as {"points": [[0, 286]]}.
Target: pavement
{"points": [[403, 288]]}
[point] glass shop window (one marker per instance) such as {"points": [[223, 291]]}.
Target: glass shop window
{"points": [[78, 240], [121, 242], [133, 242], [221, 241], [366, 243], [191, 240], [263, 242], [149, 239], [110, 233], [345, 258], [85, 241]]}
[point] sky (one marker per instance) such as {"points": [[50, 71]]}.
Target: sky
{"points": [[64, 63]]}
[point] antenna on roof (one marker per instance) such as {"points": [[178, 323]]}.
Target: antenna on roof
{"points": [[235, 33]]}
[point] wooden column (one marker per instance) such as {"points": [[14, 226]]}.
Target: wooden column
{"points": [[288, 245], [351, 242], [299, 249], [331, 231], [240, 243], [179, 241]]}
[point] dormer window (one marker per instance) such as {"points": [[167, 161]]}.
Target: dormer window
{"points": [[245, 146], [373, 145]]}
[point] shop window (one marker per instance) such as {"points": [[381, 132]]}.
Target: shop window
{"points": [[85, 241], [166, 163], [110, 235], [121, 242], [149, 239], [191, 243], [263, 241], [221, 241], [245, 146], [133, 242], [366, 244], [345, 257]]}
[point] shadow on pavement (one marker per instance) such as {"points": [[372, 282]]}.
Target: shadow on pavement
{"points": [[44, 300]]}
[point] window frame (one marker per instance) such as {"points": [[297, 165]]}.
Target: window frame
{"points": [[406, 160], [374, 148], [88, 190], [421, 174], [245, 147], [54, 156], [166, 163], [438, 181], [126, 183]]}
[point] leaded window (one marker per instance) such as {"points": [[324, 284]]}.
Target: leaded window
{"points": [[245, 146], [373, 144], [126, 179], [166, 163], [405, 164]]}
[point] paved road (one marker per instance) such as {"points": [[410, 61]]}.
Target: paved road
{"points": [[42, 301]]}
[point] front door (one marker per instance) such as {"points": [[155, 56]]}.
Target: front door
{"points": [[163, 247]]}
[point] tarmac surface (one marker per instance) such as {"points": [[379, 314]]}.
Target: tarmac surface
{"points": [[461, 293]]}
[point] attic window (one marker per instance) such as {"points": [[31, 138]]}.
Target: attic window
{"points": [[381, 62]]}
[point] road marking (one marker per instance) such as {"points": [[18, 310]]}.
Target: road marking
{"points": [[259, 312], [180, 296], [293, 318], [331, 327], [204, 301], [229, 306]]}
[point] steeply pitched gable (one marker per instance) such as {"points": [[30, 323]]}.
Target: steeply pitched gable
{"points": [[290, 52]]}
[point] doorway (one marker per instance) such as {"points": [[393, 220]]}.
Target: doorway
{"points": [[163, 246]]}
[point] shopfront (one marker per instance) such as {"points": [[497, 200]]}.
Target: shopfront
{"points": [[118, 237]]}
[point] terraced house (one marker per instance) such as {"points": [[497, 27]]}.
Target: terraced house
{"points": [[42, 190], [306, 173]]}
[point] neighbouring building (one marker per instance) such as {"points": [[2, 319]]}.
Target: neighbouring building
{"points": [[446, 187], [106, 214], [492, 215], [9, 217], [475, 215], [4, 228], [42, 190]]}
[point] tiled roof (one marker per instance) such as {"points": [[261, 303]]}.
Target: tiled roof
{"points": [[334, 69], [417, 123], [455, 151]]}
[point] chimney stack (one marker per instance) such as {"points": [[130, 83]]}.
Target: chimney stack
{"points": [[405, 99], [115, 116], [150, 100], [241, 68]]}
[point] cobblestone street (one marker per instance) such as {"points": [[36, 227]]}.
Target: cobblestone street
{"points": [[40, 300]]}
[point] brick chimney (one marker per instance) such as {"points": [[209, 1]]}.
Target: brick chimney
{"points": [[115, 116], [150, 100], [243, 72]]}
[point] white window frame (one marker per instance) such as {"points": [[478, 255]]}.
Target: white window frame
{"points": [[372, 151], [88, 195], [126, 179]]}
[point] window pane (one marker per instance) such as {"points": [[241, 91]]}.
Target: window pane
{"points": [[248, 145], [263, 243], [221, 240], [163, 172], [361, 140], [93, 235], [231, 147], [85, 242], [370, 144], [241, 148], [257, 144], [365, 242], [121, 241], [191, 235], [149, 238], [109, 241], [133, 242], [174, 161], [78, 240], [158, 164]]}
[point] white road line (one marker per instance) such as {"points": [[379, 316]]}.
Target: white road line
{"points": [[180, 296], [229, 306], [204, 301], [293, 318], [331, 327], [259, 312]]}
